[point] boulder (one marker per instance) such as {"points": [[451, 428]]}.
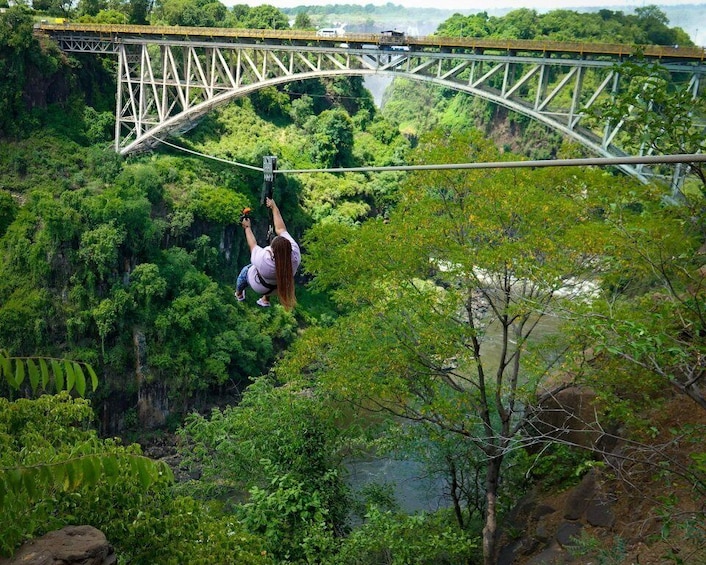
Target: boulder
{"points": [[72, 545], [581, 496], [568, 532]]}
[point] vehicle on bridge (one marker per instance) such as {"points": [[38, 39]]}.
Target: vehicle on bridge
{"points": [[330, 32], [392, 39]]}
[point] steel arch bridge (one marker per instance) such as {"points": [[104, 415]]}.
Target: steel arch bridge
{"points": [[168, 77]]}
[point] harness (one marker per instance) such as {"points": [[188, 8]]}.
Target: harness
{"points": [[263, 282]]}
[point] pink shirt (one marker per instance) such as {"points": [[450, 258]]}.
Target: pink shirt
{"points": [[263, 263]]}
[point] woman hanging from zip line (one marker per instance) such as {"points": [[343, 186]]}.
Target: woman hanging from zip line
{"points": [[271, 268]]}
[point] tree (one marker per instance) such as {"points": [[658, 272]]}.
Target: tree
{"points": [[475, 25], [332, 138], [465, 254], [100, 130], [519, 24], [265, 16], [199, 13], [662, 116], [302, 21], [650, 326], [302, 109], [139, 11], [663, 337], [44, 451], [654, 23], [282, 446], [239, 13], [20, 51], [90, 7]]}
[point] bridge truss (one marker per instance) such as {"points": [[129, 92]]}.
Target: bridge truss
{"points": [[165, 84]]}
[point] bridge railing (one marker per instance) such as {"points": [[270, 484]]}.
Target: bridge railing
{"points": [[478, 44]]}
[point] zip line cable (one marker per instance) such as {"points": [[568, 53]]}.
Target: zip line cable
{"points": [[582, 162], [598, 161], [208, 156]]}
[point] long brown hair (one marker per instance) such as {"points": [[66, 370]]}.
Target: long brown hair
{"points": [[282, 253]]}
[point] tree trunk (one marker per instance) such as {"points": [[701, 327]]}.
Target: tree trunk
{"points": [[491, 525], [454, 494]]}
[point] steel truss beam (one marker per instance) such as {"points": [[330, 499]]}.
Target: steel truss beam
{"points": [[165, 86]]}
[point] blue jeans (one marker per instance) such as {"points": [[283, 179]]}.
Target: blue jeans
{"points": [[242, 281]]}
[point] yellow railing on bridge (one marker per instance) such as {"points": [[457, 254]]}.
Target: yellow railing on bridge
{"points": [[479, 45]]}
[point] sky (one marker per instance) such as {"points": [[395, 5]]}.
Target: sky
{"points": [[479, 5]]}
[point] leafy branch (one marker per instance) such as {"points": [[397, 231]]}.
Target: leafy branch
{"points": [[78, 472], [41, 372]]}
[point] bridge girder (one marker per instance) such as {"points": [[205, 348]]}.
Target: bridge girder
{"points": [[165, 86]]}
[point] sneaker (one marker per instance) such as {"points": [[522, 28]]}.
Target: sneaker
{"points": [[240, 297], [262, 302]]}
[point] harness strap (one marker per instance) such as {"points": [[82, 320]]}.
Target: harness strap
{"points": [[263, 282]]}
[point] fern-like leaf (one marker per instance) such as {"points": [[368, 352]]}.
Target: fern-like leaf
{"points": [[58, 374], [44, 370], [34, 375], [94, 377], [73, 474], [6, 369], [80, 379], [19, 372], [70, 376]]}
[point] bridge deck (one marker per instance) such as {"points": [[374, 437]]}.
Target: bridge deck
{"points": [[425, 43]]}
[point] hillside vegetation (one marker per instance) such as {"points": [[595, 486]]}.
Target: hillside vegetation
{"points": [[441, 316]]}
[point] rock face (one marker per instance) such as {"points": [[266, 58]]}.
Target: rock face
{"points": [[552, 531], [549, 532], [72, 545], [152, 398]]}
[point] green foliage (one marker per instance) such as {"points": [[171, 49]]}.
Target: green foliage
{"points": [[657, 114], [108, 17], [301, 109], [8, 211], [397, 539], [46, 454], [302, 21], [271, 103], [407, 104], [99, 248], [196, 13], [682, 533], [590, 547], [559, 467], [292, 517], [217, 205], [645, 334], [72, 273], [100, 125], [280, 445], [649, 24], [462, 254], [54, 471], [167, 528], [264, 16], [331, 138], [41, 372], [20, 54]]}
